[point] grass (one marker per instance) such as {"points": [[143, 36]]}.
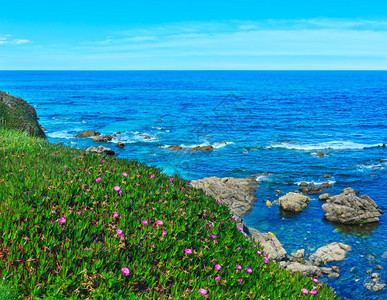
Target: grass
{"points": [[83, 258]]}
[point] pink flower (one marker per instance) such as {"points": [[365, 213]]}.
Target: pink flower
{"points": [[188, 251], [213, 236], [98, 179], [215, 241], [171, 179], [62, 220], [219, 202], [159, 223], [184, 202], [206, 296], [254, 246], [266, 260], [259, 252], [152, 176], [79, 212], [248, 270], [240, 280], [239, 248], [218, 267], [124, 174], [120, 192], [187, 289], [217, 278], [125, 271], [304, 291], [144, 222], [189, 183], [313, 292], [119, 231], [202, 291], [103, 161], [315, 280], [239, 267], [221, 223], [164, 233], [117, 188], [239, 228], [234, 218], [115, 215]]}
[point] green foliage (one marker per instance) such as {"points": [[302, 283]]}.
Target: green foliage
{"points": [[6, 292], [40, 183]]}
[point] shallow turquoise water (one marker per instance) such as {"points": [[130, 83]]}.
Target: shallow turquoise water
{"points": [[297, 114]]}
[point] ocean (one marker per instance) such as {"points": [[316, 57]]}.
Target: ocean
{"points": [[266, 123]]}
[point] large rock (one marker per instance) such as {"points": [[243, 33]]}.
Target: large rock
{"points": [[294, 202], [175, 148], [347, 208], [100, 150], [329, 253], [324, 197], [203, 148], [271, 245], [312, 189], [87, 133], [306, 269], [17, 114], [238, 194]]}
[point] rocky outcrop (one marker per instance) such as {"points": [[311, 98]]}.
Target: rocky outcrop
{"points": [[175, 148], [324, 197], [17, 114], [269, 242], [100, 150], [87, 133], [294, 202], [203, 148], [329, 253], [120, 145], [375, 284], [348, 208], [312, 189], [102, 139], [238, 194]]}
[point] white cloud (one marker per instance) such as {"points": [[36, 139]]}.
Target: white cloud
{"points": [[6, 39]]}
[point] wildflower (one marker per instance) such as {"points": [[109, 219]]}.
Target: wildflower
{"points": [[117, 188], [313, 292], [248, 270], [119, 231], [234, 219], [184, 202], [240, 280], [218, 267], [254, 245], [315, 280], [79, 212], [239, 248], [189, 183], [171, 179], [98, 179], [239, 228], [213, 236], [221, 223], [202, 291], [125, 271], [259, 252], [304, 291], [115, 215], [206, 296], [152, 176], [266, 260], [120, 192], [215, 241], [144, 222], [103, 161], [187, 289], [239, 267], [164, 233], [219, 202], [159, 223], [217, 278], [62, 220], [188, 251], [124, 174]]}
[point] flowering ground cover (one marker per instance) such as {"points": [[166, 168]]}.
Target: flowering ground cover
{"points": [[80, 226]]}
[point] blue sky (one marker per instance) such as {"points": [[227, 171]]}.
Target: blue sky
{"points": [[192, 35]]}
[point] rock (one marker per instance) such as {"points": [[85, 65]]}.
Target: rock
{"points": [[45, 130], [87, 133], [320, 154], [326, 176], [100, 139], [203, 148], [17, 114], [146, 137], [307, 270], [333, 275], [267, 148], [324, 197], [120, 145], [293, 202], [117, 133], [298, 256], [311, 189], [108, 137], [238, 194], [270, 244], [275, 202], [278, 192], [329, 253], [347, 208], [100, 150], [372, 174], [303, 183], [375, 276], [268, 203], [336, 269], [175, 148], [375, 284]]}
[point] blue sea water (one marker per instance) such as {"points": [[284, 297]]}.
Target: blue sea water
{"points": [[241, 113]]}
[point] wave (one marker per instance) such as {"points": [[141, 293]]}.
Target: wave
{"points": [[334, 145], [63, 134], [262, 177], [371, 167], [216, 145], [316, 183]]}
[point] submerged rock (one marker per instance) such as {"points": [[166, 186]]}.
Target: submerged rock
{"points": [[87, 133], [347, 208], [293, 202], [175, 148], [238, 194], [120, 145], [320, 154], [329, 253], [312, 189], [203, 148]]}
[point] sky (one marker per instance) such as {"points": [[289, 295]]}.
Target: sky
{"points": [[193, 35]]}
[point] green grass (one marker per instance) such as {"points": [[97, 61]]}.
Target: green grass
{"points": [[40, 183]]}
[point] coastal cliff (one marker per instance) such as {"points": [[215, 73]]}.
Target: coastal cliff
{"points": [[15, 113]]}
